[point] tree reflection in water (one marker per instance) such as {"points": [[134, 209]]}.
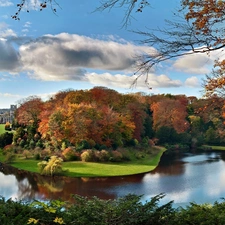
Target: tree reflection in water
{"points": [[182, 177]]}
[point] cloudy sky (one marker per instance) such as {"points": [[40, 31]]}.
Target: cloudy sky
{"points": [[77, 48]]}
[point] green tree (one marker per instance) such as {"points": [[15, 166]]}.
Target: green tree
{"points": [[6, 139], [167, 135], [18, 134], [211, 136]]}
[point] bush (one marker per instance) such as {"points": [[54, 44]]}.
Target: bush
{"points": [[126, 210], [8, 126], [39, 144], [6, 139], [125, 153], [51, 167], [10, 157], [132, 142], [37, 156], [26, 154], [8, 148], [102, 147], [22, 143], [103, 156], [139, 155], [32, 144], [116, 156], [69, 154], [82, 145], [45, 153], [88, 156]]}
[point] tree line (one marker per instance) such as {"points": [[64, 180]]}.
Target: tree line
{"points": [[102, 118]]}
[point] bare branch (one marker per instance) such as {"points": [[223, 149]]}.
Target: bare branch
{"points": [[24, 6], [129, 5], [176, 40]]}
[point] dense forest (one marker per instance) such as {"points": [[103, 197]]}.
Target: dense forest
{"points": [[102, 118]]}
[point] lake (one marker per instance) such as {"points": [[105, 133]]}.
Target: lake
{"points": [[187, 177]]}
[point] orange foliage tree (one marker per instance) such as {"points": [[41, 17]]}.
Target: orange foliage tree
{"points": [[170, 113], [28, 113]]}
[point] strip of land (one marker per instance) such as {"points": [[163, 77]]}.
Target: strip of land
{"points": [[89, 169]]}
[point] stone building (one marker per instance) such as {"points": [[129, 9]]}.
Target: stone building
{"points": [[7, 115]]}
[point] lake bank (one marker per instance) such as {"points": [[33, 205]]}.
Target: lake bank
{"points": [[94, 169]]}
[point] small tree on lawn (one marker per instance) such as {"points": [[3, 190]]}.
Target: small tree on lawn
{"points": [[51, 167]]}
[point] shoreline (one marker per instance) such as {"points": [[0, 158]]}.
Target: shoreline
{"points": [[78, 169]]}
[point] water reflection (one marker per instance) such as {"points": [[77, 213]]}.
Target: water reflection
{"points": [[183, 178]]}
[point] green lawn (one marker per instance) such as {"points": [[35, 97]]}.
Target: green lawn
{"points": [[218, 147], [89, 169], [2, 129]]}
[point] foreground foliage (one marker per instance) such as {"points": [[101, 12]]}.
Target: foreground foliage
{"points": [[125, 210]]}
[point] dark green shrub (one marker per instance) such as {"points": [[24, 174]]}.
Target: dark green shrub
{"points": [[22, 143], [127, 210], [39, 144], [139, 155], [6, 139], [37, 156], [82, 145], [32, 144], [102, 147]]}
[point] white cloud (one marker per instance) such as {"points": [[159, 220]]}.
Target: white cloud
{"points": [[27, 24], [24, 30], [192, 82], [9, 95], [67, 56], [5, 31], [125, 81], [194, 64], [4, 3]]}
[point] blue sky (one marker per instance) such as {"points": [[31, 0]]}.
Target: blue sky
{"points": [[44, 53]]}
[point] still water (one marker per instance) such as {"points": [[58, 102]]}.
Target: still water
{"points": [[184, 178]]}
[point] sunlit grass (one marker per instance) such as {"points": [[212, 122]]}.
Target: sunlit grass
{"points": [[90, 169], [2, 129], [218, 147], [81, 169]]}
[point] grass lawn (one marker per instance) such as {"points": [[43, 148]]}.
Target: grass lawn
{"points": [[2, 129], [89, 169], [218, 147]]}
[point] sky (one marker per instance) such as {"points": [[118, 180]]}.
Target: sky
{"points": [[80, 48]]}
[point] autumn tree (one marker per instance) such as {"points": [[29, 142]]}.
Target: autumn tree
{"points": [[28, 114], [116, 127], [170, 113], [29, 110], [138, 115]]}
